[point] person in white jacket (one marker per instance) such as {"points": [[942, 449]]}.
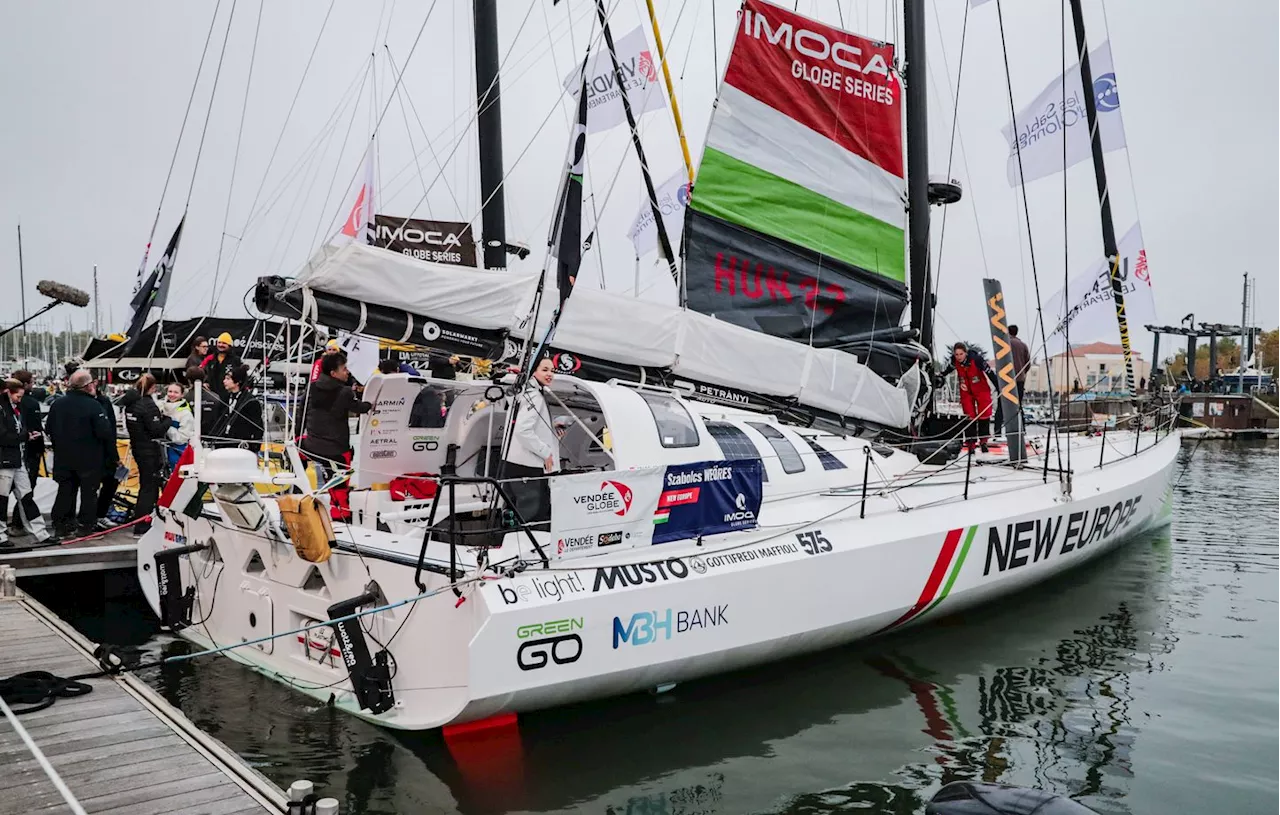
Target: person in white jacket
{"points": [[182, 422], [534, 451]]}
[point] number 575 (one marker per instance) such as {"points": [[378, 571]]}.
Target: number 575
{"points": [[813, 542]]}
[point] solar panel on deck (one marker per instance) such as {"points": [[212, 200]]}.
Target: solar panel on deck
{"points": [[735, 445], [828, 459]]}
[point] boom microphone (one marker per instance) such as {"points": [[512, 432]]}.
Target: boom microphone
{"points": [[63, 293]]}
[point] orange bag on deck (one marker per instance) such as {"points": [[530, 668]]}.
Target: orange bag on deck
{"points": [[308, 525]]}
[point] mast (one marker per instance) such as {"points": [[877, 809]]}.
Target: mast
{"points": [[917, 103], [1104, 199], [22, 292], [97, 305], [493, 218], [664, 240], [1244, 327]]}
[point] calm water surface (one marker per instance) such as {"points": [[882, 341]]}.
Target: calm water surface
{"points": [[1146, 683]]}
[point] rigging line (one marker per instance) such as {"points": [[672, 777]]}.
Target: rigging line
{"points": [[1022, 182], [1066, 266], [955, 118], [404, 112], [337, 165], [504, 68], [235, 253], [173, 161], [213, 95], [235, 161]]}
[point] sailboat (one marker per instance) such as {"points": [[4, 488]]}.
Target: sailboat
{"points": [[726, 500]]}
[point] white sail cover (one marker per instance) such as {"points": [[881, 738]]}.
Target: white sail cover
{"points": [[613, 327], [469, 297]]}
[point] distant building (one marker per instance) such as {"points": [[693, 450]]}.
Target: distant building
{"points": [[1099, 367]]}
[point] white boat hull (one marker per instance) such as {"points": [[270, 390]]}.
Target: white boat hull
{"points": [[610, 625]]}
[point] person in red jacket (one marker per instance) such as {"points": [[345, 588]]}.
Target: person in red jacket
{"points": [[973, 374]]}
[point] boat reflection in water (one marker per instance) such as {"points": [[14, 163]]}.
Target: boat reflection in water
{"points": [[1033, 691]]}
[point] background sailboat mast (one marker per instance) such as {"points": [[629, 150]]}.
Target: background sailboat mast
{"points": [[917, 104], [22, 293], [493, 218], [1104, 199]]}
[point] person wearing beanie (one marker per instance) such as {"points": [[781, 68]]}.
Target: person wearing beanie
{"points": [[218, 364]]}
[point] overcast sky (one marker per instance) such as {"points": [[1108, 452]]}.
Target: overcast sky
{"points": [[94, 96]]}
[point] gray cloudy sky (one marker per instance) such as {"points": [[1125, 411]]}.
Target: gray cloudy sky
{"points": [[94, 96]]}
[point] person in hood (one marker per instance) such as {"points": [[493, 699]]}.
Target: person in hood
{"points": [[973, 374], [534, 452], [81, 435], [242, 426], [13, 471], [330, 402], [33, 422], [218, 364], [147, 428]]}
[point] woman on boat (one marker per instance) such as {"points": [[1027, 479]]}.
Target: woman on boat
{"points": [[242, 426], [973, 374], [534, 452], [147, 427], [182, 422]]}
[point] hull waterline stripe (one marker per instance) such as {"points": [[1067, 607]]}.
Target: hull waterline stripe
{"points": [[955, 570], [935, 578]]}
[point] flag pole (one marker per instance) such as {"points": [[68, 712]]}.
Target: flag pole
{"points": [[671, 91]]}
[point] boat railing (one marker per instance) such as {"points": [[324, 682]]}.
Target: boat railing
{"points": [[488, 531]]}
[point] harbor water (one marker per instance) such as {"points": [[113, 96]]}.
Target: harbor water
{"points": [[1145, 683]]}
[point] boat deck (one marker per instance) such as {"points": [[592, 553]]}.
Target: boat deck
{"points": [[120, 749]]}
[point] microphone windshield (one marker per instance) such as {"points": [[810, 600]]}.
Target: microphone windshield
{"points": [[63, 293]]}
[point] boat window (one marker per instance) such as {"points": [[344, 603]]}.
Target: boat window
{"points": [[787, 455], [735, 445], [825, 456], [675, 425]]}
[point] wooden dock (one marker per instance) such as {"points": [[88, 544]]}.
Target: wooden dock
{"points": [[120, 749], [117, 550]]}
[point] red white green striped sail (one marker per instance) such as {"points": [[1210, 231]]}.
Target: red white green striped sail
{"points": [[797, 219], [806, 141]]}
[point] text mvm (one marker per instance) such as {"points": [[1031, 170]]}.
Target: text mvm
{"points": [[1032, 541]]}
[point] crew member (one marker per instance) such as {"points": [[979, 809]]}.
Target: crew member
{"points": [[331, 401], [243, 423], [147, 426], [13, 470], [534, 452], [80, 434], [218, 364], [973, 373]]}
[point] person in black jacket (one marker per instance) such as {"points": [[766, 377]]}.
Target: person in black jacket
{"points": [[111, 460], [199, 350], [14, 436], [33, 447], [80, 434], [242, 425], [330, 402], [147, 426], [221, 362]]}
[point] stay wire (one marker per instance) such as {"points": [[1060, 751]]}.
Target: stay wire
{"points": [[1022, 183], [235, 161], [213, 95]]}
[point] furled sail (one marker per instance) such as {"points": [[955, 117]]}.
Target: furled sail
{"points": [[796, 224]]}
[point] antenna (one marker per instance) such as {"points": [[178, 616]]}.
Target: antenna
{"points": [[97, 305]]}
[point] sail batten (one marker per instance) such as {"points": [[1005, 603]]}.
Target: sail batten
{"points": [[796, 227]]}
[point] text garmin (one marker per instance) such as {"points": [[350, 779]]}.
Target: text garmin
{"points": [[1032, 541], [645, 626], [638, 574], [841, 59]]}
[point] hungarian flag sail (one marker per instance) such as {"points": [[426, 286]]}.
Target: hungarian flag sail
{"points": [[566, 233], [153, 293], [796, 225]]}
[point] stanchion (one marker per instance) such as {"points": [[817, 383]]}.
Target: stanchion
{"points": [[866, 472]]}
